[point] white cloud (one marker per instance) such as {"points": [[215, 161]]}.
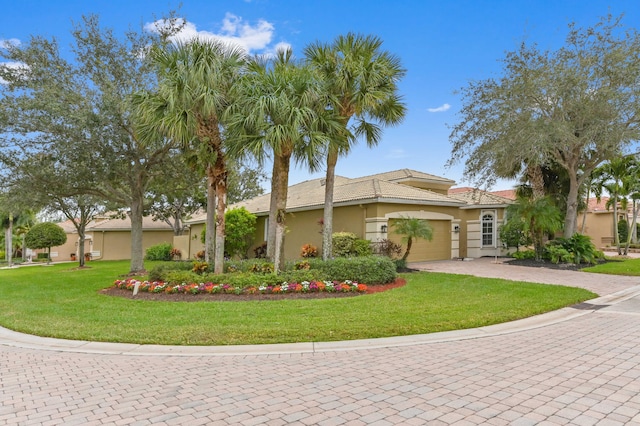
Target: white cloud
{"points": [[397, 154], [4, 43], [234, 30], [441, 108]]}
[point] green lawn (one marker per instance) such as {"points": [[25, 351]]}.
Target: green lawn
{"points": [[617, 267], [58, 301]]}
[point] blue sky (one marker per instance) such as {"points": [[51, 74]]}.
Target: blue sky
{"points": [[442, 44]]}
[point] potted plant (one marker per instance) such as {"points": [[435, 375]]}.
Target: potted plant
{"points": [[73, 256]]}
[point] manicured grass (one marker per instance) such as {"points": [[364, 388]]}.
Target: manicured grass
{"points": [[617, 267], [58, 301]]}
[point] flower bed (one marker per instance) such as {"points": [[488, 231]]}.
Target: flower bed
{"points": [[211, 288]]}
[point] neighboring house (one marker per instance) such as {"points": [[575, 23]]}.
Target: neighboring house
{"points": [[110, 238], [464, 222], [598, 224]]}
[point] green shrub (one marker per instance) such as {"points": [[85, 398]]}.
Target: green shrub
{"points": [[557, 254], [160, 251], [525, 254], [400, 264], [42, 256], [623, 230], [159, 272], [179, 277], [239, 229], [361, 248], [580, 247], [366, 270], [2, 255], [343, 243]]}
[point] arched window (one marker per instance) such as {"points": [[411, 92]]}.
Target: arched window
{"points": [[488, 230]]}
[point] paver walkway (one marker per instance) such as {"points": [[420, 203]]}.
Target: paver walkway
{"points": [[584, 370]]}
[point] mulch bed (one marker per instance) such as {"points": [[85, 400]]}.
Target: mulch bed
{"points": [[548, 264], [166, 297]]}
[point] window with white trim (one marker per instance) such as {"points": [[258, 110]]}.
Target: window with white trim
{"points": [[488, 230]]}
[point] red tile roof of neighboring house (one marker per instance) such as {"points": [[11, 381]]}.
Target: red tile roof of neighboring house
{"points": [[506, 193], [597, 206]]}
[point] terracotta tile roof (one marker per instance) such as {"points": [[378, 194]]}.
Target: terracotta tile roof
{"points": [[459, 190], [310, 194], [407, 174], [389, 187], [507, 193], [597, 206], [124, 224], [474, 196]]}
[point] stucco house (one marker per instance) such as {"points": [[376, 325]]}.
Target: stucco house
{"points": [[465, 221], [109, 238]]}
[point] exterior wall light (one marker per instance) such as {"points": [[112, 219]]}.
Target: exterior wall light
{"points": [[383, 229]]}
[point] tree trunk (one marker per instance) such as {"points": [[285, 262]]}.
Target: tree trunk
{"points": [[584, 216], [81, 240], [273, 210], [536, 178], [209, 241], [283, 162], [10, 240], [616, 236], [406, 253], [137, 257], [327, 230], [633, 232], [221, 205], [571, 216]]}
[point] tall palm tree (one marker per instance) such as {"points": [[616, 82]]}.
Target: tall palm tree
{"points": [[613, 177], [413, 229], [363, 80], [194, 90], [283, 112]]}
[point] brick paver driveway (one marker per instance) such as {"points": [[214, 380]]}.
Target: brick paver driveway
{"points": [[584, 370]]}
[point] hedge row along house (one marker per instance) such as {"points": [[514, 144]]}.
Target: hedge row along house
{"points": [[465, 220]]}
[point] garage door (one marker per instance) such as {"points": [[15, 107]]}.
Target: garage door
{"points": [[439, 248]]}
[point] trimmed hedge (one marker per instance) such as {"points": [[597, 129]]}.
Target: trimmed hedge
{"points": [[365, 270]]}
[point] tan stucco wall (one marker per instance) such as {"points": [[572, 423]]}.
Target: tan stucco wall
{"points": [[195, 244], [116, 245], [303, 227], [598, 226], [473, 233]]}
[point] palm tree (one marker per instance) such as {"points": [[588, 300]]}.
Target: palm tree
{"points": [[194, 90], [540, 216], [634, 193], [7, 225], [363, 80], [413, 229], [613, 177], [23, 224], [282, 111]]}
